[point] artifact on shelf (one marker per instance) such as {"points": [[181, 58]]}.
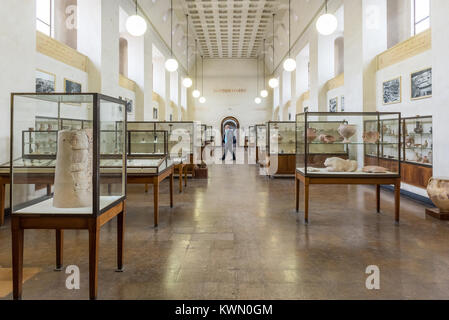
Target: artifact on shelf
{"points": [[409, 141], [73, 175], [311, 135], [371, 137], [374, 169], [336, 164], [438, 191], [347, 131], [327, 138], [418, 128]]}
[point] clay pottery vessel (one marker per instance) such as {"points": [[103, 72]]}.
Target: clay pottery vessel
{"points": [[311, 135], [326, 138], [371, 137], [409, 141], [438, 191], [347, 131]]}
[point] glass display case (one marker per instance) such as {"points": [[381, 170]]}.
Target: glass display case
{"points": [[418, 140], [252, 136], [39, 144], [261, 135], [343, 139], [210, 137], [203, 129], [143, 143], [182, 136], [80, 186], [282, 137], [152, 164]]}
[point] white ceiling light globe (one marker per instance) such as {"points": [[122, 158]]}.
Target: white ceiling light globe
{"points": [[264, 93], [196, 93], [258, 100], [289, 65], [273, 83], [327, 24], [187, 82], [171, 65], [202, 100], [136, 26]]}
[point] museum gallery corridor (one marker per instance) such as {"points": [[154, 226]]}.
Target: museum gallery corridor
{"points": [[237, 236]]}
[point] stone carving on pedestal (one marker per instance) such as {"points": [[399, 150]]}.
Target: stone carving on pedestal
{"points": [[73, 175]]}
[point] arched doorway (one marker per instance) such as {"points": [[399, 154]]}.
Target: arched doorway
{"points": [[232, 122]]}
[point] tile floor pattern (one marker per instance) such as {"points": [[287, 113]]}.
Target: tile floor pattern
{"points": [[237, 236]]}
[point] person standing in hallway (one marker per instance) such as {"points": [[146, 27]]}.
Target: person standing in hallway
{"points": [[228, 141]]}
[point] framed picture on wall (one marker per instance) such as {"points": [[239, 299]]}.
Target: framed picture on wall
{"points": [[155, 113], [392, 91], [333, 105], [129, 105], [72, 86], [306, 109], [45, 82], [421, 84], [342, 103]]}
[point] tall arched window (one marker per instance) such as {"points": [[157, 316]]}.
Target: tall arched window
{"points": [[339, 56], [420, 16], [123, 57]]}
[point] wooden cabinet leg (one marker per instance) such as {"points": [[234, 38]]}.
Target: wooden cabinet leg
{"points": [[94, 244], [146, 188], [156, 202], [17, 258], [378, 198], [185, 176], [306, 202], [397, 200], [180, 178], [59, 249], [120, 238], [2, 204], [297, 186], [48, 189], [172, 177]]}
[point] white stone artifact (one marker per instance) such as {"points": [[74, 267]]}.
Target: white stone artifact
{"points": [[340, 165], [438, 191], [73, 175]]}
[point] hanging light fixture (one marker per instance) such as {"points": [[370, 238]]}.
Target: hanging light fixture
{"points": [[273, 83], [264, 92], [196, 93], [327, 23], [136, 25], [202, 98], [187, 82], [289, 64], [257, 100], [171, 64]]}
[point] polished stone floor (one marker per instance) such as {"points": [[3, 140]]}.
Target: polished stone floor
{"points": [[237, 236]]}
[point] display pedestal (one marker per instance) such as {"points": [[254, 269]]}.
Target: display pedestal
{"points": [[21, 222], [201, 173], [436, 213], [369, 180]]}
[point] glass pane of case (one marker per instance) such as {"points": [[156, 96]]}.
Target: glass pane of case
{"points": [[281, 137], [418, 140], [147, 143], [53, 170], [348, 143], [112, 146]]}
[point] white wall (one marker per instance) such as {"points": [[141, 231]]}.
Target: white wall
{"points": [[231, 74]]}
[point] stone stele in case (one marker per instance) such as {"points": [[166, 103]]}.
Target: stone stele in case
{"points": [[73, 175]]}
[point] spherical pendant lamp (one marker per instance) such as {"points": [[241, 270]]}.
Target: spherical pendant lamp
{"points": [[327, 23], [136, 25]]}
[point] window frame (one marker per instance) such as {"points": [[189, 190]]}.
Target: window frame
{"points": [[51, 24], [414, 22]]}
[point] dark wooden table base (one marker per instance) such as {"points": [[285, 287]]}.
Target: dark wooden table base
{"points": [[377, 181], [59, 223]]}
